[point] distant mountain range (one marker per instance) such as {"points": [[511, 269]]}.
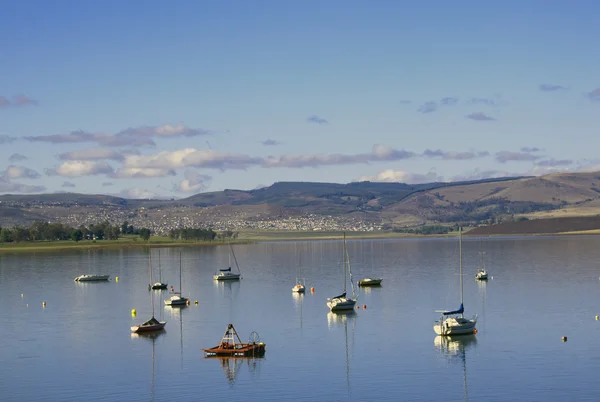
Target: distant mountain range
{"points": [[389, 205]]}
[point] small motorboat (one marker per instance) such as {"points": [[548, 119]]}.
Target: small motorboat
{"points": [[149, 326], [481, 275], [158, 286], [370, 282], [91, 278], [232, 346]]}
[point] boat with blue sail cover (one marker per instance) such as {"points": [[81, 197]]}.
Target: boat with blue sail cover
{"points": [[226, 274], [454, 322]]}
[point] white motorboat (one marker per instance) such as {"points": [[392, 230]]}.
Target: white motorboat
{"points": [[342, 302], [177, 299], [370, 282], [92, 278], [454, 322]]}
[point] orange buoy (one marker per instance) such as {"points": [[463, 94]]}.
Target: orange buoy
{"points": [[475, 331], [357, 307], [312, 290], [364, 306]]}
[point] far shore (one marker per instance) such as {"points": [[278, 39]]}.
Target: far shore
{"points": [[245, 237]]}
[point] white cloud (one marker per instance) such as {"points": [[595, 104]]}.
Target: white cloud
{"points": [[140, 173], [137, 193], [20, 172], [80, 168], [194, 182], [399, 176]]}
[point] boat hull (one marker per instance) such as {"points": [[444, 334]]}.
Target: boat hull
{"points": [[341, 304], [240, 350], [159, 286], [226, 277], [370, 282], [92, 278], [299, 289], [177, 301], [149, 328], [455, 326]]}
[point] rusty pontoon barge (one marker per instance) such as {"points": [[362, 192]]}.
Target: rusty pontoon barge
{"points": [[232, 346]]}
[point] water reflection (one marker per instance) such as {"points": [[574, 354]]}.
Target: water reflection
{"points": [[152, 337], [298, 300], [336, 319], [454, 348]]}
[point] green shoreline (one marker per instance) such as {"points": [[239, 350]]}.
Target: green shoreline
{"points": [[249, 237]]}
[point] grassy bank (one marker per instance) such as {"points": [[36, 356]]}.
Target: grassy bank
{"points": [[245, 237]]}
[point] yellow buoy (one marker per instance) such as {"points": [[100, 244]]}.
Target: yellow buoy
{"points": [[196, 302], [133, 311], [564, 338], [597, 318], [43, 304], [21, 294], [116, 279]]}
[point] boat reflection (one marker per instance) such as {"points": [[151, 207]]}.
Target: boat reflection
{"points": [[152, 337], [454, 347], [232, 365], [298, 300], [341, 318]]}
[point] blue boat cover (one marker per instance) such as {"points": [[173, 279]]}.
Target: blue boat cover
{"points": [[225, 270], [460, 310]]}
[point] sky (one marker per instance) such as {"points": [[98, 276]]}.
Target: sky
{"points": [[155, 99]]}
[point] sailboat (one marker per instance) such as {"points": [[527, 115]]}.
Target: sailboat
{"points": [[152, 324], [177, 299], [299, 288], [226, 274], [454, 322], [158, 285], [342, 302], [482, 274]]}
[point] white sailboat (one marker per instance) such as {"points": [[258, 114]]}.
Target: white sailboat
{"points": [[342, 302], [482, 274], [454, 322], [226, 274], [159, 285], [177, 299], [299, 288], [152, 324]]}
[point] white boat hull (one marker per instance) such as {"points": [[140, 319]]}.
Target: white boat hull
{"points": [[228, 276], [482, 276], [340, 304], [455, 326], [177, 301], [91, 278], [370, 282], [299, 289]]}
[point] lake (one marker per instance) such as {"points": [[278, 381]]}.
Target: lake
{"points": [[79, 347]]}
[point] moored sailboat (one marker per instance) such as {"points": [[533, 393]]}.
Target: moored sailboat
{"points": [[454, 322], [177, 299], [226, 274], [152, 324], [342, 302]]}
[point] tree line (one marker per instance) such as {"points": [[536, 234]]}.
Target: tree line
{"points": [[46, 231]]}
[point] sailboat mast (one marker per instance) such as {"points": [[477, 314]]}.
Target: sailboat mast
{"points": [[151, 292], [344, 262], [180, 272], [460, 259], [159, 268]]}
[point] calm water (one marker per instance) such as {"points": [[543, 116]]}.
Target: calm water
{"points": [[79, 347]]}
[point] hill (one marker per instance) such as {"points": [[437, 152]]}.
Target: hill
{"points": [[327, 206]]}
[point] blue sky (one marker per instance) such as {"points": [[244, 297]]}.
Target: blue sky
{"points": [[168, 99]]}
